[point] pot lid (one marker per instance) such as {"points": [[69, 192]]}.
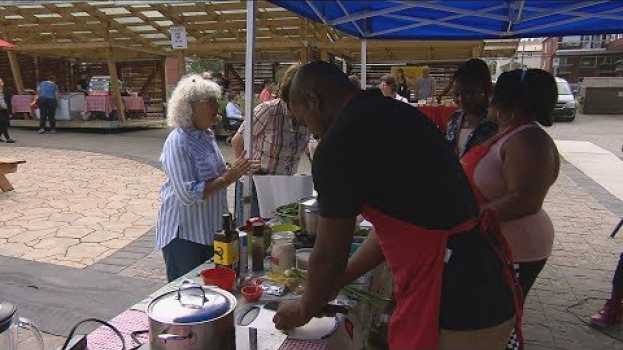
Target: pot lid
{"points": [[7, 312], [191, 303]]}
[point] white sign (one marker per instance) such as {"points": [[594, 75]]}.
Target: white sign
{"points": [[178, 37]]}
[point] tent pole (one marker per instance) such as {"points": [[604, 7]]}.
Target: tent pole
{"points": [[248, 102], [364, 63]]}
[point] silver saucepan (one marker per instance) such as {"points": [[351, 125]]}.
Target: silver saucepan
{"points": [[192, 318]]}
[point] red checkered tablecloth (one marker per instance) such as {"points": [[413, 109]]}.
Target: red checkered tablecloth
{"points": [[101, 103], [134, 103], [21, 103], [105, 103]]}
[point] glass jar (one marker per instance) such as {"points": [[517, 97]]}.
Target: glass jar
{"points": [[283, 252]]}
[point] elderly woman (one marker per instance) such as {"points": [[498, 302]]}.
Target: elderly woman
{"points": [[194, 193]]}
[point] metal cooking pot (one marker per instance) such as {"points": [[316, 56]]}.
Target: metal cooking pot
{"points": [[308, 215], [192, 318]]}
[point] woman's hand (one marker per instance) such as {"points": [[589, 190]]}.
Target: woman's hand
{"points": [[241, 167]]}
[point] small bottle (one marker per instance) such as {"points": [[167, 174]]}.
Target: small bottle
{"points": [[258, 247], [225, 250], [243, 265]]}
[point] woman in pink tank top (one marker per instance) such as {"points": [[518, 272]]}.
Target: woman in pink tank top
{"points": [[513, 171]]}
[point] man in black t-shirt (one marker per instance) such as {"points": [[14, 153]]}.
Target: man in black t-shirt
{"points": [[384, 159]]}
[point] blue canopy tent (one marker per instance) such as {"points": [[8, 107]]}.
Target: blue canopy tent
{"points": [[441, 20], [462, 20]]}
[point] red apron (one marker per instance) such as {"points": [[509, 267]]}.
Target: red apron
{"points": [[416, 257]]}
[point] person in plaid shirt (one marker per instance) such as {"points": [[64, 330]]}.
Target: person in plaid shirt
{"points": [[279, 139]]}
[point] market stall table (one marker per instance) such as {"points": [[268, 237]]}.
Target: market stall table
{"points": [[440, 115], [105, 104], [21, 104], [135, 319]]}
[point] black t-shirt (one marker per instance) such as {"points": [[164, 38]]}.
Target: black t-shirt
{"points": [[386, 154]]}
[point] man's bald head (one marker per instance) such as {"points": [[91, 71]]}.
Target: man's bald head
{"points": [[318, 93]]}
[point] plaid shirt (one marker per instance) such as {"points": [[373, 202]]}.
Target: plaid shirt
{"points": [[278, 141]]}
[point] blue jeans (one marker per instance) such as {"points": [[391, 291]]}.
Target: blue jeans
{"points": [[181, 256]]}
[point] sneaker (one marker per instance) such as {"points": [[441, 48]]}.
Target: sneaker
{"points": [[609, 315], [41, 131], [1, 139], [10, 141], [52, 131]]}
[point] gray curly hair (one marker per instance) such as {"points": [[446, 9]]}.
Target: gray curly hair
{"points": [[191, 88]]}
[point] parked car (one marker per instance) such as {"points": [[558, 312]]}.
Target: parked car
{"points": [[566, 105]]}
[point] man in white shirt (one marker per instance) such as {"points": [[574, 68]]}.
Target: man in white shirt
{"points": [[388, 88]]}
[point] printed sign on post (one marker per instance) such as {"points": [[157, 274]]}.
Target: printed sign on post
{"points": [[178, 37]]}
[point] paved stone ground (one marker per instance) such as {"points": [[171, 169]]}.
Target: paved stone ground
{"points": [[73, 208], [572, 286]]}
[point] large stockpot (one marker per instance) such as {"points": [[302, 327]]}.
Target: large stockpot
{"points": [[308, 215], [192, 318]]}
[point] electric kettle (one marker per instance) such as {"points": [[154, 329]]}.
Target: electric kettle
{"points": [[10, 324]]}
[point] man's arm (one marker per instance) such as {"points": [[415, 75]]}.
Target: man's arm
{"points": [[327, 265], [366, 258], [237, 142]]}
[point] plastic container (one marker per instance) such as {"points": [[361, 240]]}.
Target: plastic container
{"points": [[222, 277], [252, 293]]}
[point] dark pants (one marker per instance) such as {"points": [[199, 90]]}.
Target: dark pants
{"points": [[617, 281], [47, 112], [528, 272], [4, 123], [181, 256]]}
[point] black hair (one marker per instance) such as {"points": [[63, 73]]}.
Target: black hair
{"points": [[355, 80], [474, 73], [527, 91]]}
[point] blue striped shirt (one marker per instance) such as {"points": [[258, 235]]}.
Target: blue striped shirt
{"points": [[190, 158]]}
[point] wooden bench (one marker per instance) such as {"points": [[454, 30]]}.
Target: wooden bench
{"points": [[8, 166]]}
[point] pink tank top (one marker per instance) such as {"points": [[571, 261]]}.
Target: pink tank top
{"points": [[531, 237]]}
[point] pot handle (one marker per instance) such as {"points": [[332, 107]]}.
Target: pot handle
{"points": [[165, 338], [29, 325], [187, 285]]}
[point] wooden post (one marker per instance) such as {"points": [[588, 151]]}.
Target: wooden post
{"points": [[304, 55], [17, 73], [114, 83], [324, 55], [181, 63], [36, 62]]}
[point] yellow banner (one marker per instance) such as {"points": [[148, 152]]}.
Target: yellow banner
{"points": [[411, 72]]}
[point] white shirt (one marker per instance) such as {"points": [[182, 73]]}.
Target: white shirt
{"points": [[400, 98]]}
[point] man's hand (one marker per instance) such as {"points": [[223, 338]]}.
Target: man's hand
{"points": [[291, 314]]}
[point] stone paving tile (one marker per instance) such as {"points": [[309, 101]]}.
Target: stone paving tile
{"points": [[73, 208], [577, 277]]}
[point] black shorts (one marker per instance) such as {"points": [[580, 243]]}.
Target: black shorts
{"points": [[474, 294]]}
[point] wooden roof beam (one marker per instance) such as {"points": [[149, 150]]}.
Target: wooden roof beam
{"points": [[93, 11]]}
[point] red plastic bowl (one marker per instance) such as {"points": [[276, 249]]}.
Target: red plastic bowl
{"points": [[252, 293], [222, 277]]}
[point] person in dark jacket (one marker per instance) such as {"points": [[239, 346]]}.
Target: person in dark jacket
{"points": [[472, 88], [5, 113]]}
